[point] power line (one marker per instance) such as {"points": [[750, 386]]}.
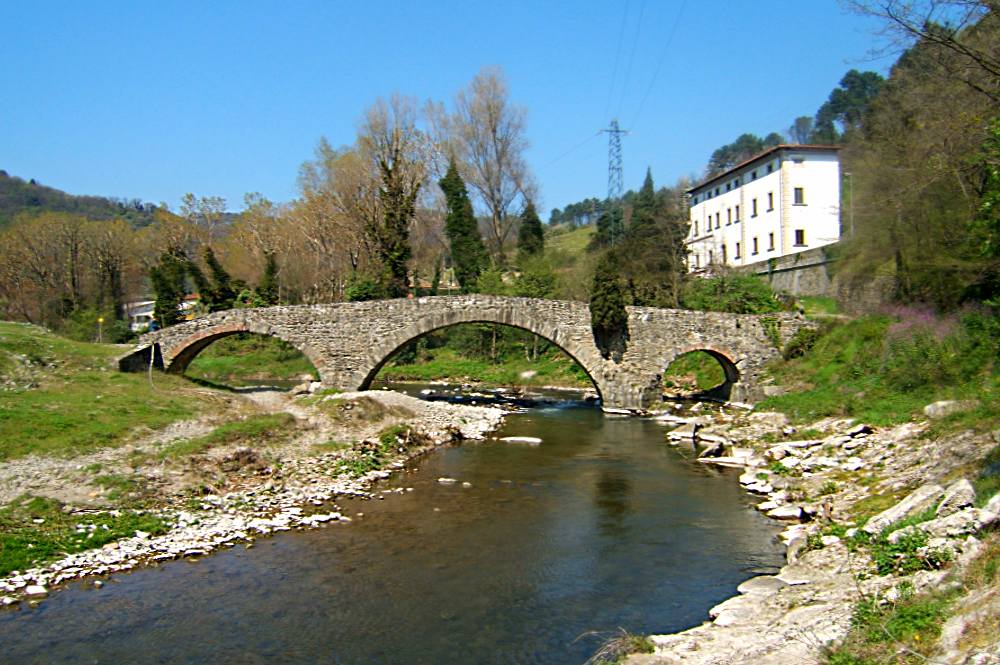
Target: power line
{"points": [[571, 150], [631, 57], [659, 64], [618, 53]]}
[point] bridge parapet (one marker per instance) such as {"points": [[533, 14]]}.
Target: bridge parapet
{"points": [[349, 342]]}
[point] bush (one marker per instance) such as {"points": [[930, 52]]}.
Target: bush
{"points": [[736, 293], [801, 343]]}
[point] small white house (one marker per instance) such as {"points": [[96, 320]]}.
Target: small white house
{"points": [[783, 201]]}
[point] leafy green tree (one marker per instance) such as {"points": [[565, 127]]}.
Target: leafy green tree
{"points": [[221, 294], [608, 316], [609, 229], [801, 129], [362, 288], [537, 279], [986, 225], [531, 237], [468, 254], [168, 280], [268, 287], [845, 109]]}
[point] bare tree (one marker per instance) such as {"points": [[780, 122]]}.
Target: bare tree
{"points": [[964, 28], [486, 134]]}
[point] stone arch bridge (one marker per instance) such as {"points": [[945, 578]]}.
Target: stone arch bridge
{"points": [[349, 342]]}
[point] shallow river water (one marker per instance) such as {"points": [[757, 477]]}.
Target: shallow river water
{"points": [[599, 527]]}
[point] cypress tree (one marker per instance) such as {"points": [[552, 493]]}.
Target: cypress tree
{"points": [[222, 294], [531, 237], [608, 316], [167, 278], [267, 290], [468, 254]]}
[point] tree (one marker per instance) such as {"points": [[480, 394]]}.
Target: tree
{"points": [[845, 109], [801, 129], [610, 227], [390, 140], [965, 29], [531, 237], [486, 133], [268, 287], [168, 280], [608, 316], [205, 212], [221, 295], [468, 254]]}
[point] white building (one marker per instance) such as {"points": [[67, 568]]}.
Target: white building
{"points": [[783, 201]]}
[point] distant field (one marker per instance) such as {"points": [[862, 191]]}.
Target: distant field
{"points": [[572, 241]]}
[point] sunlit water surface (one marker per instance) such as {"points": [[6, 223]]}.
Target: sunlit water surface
{"points": [[599, 527]]}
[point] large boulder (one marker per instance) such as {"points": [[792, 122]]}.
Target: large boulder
{"points": [[946, 407], [918, 501], [960, 494]]}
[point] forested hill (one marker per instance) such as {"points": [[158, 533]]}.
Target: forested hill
{"points": [[18, 195]]}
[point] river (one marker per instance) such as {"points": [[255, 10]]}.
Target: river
{"points": [[599, 527]]}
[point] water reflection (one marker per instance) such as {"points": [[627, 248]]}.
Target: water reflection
{"points": [[600, 526]]}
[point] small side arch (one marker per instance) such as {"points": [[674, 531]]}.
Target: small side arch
{"points": [[726, 360], [181, 354]]}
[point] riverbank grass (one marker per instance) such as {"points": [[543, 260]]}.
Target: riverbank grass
{"points": [[36, 530], [248, 357], [884, 369], [66, 398]]}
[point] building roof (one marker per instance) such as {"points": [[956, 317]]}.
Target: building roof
{"points": [[804, 147]]}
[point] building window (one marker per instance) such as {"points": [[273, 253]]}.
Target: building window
{"points": [[696, 228], [729, 216], [716, 191], [755, 247], [718, 219], [770, 168], [723, 255], [737, 220], [770, 242], [737, 250], [800, 237], [800, 196], [753, 175], [753, 208], [770, 201], [711, 257], [729, 186]]}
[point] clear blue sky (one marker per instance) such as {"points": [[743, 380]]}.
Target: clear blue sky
{"points": [[154, 99]]}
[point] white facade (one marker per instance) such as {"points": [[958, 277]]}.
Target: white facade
{"points": [[783, 201]]}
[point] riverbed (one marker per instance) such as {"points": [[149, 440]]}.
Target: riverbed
{"points": [[600, 526]]}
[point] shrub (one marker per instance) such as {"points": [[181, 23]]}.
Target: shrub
{"points": [[737, 293]]}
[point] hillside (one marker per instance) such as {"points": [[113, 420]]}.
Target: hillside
{"points": [[18, 195]]}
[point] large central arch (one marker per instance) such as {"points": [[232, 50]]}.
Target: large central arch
{"points": [[521, 318], [373, 373]]}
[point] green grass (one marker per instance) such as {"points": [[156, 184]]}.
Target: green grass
{"points": [[254, 430], [819, 306], [705, 371], [81, 401], [250, 357], [571, 241], [25, 543], [445, 364], [858, 368]]}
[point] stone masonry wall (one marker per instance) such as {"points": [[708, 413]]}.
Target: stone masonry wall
{"points": [[349, 342]]}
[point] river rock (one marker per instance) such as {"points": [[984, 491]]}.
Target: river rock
{"points": [[713, 450], [915, 503], [446, 481], [947, 407], [761, 584], [785, 513], [685, 431], [769, 418], [35, 590], [960, 494], [961, 523], [529, 440]]}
